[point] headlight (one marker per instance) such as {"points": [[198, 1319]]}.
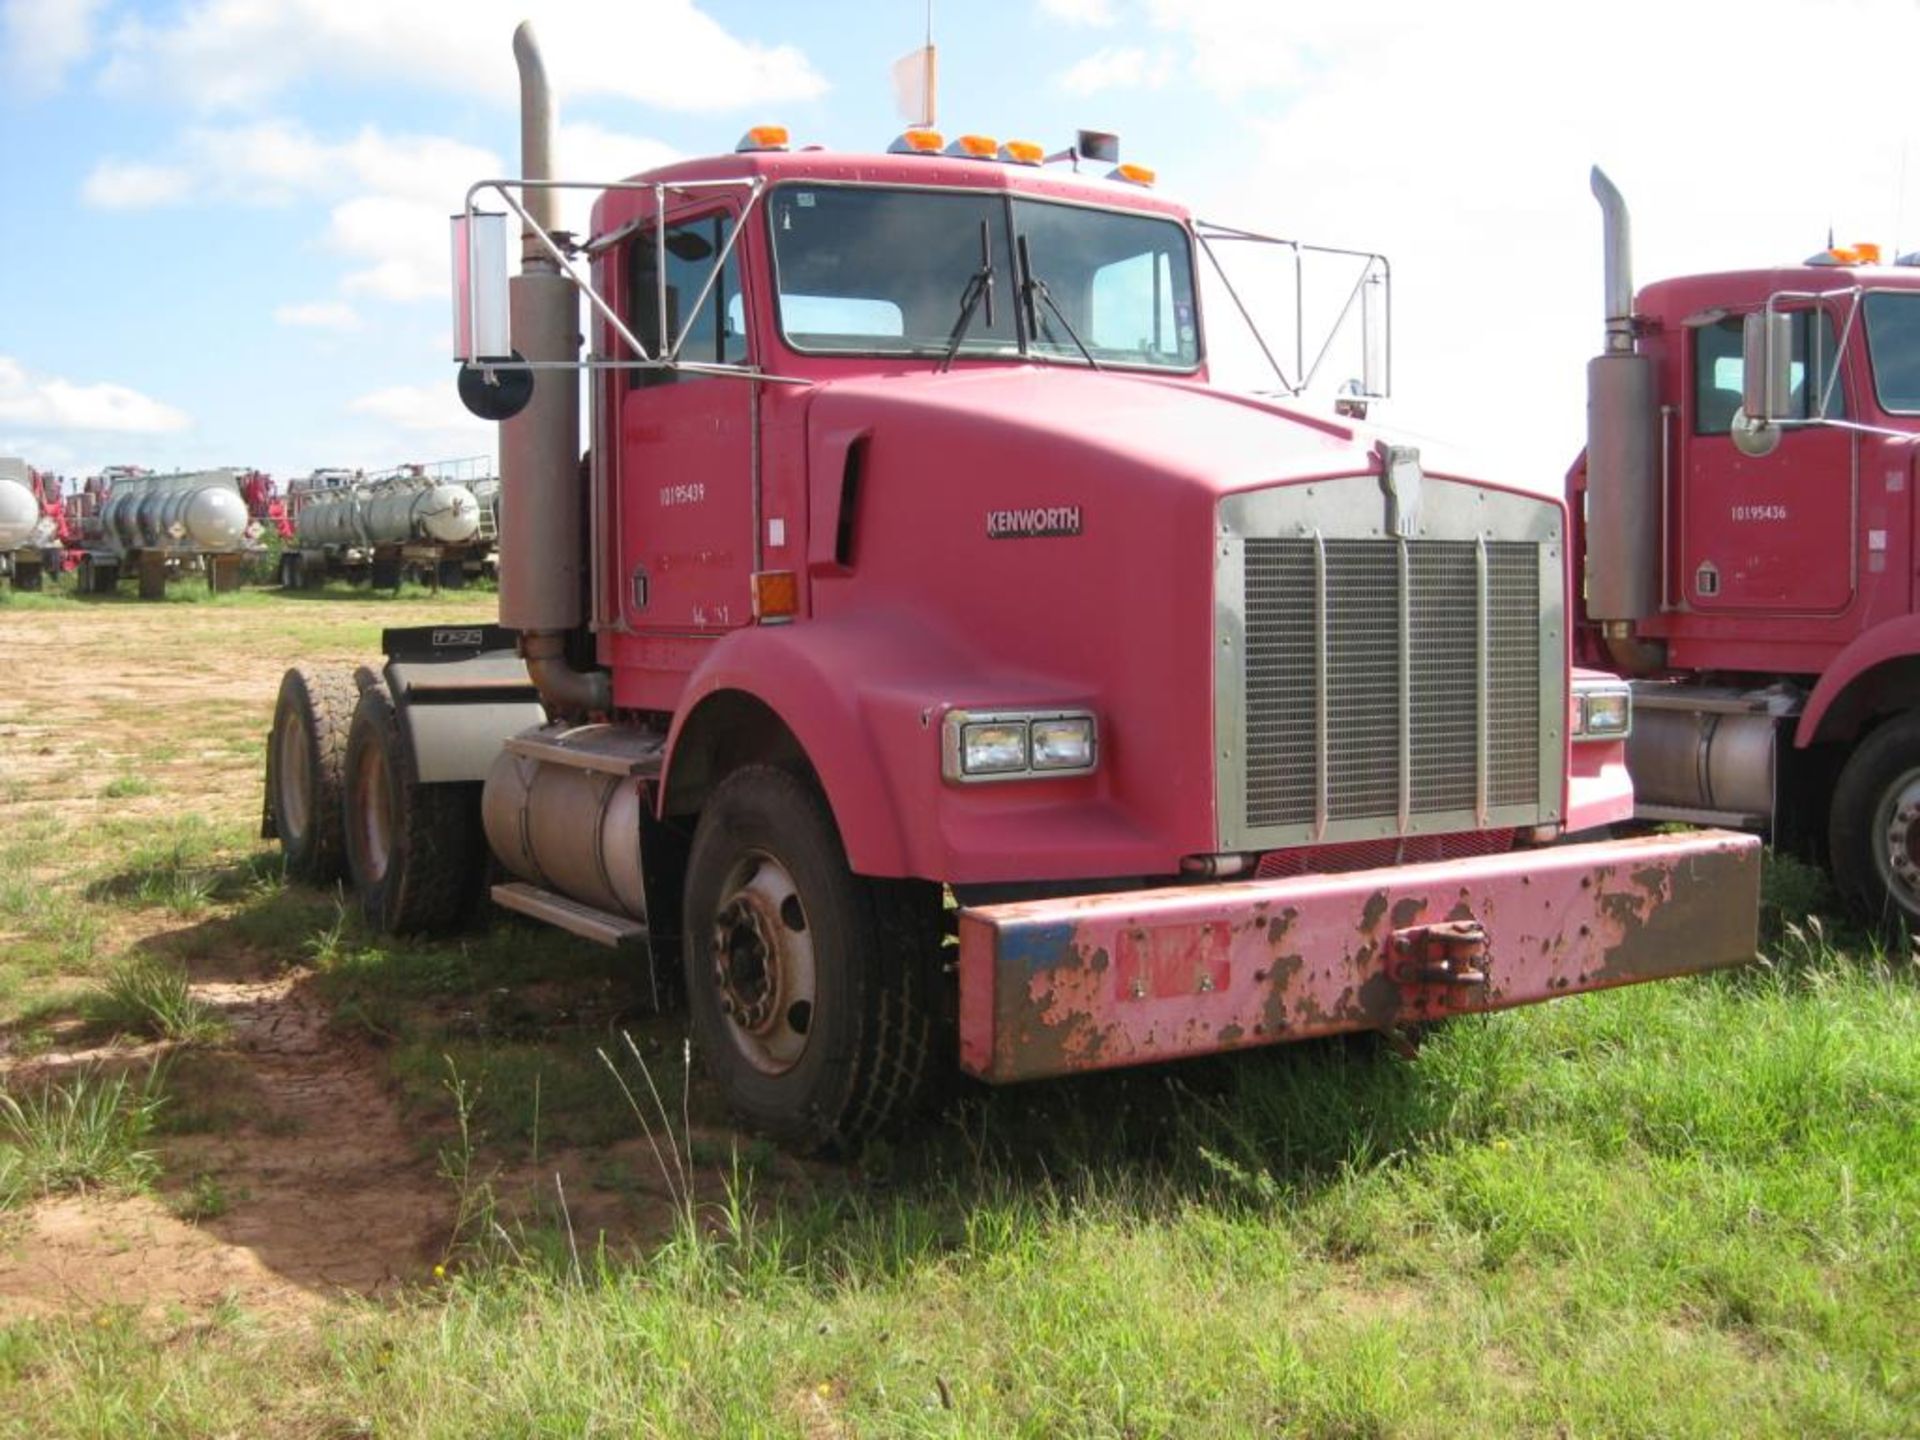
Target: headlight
{"points": [[993, 747], [1602, 711], [1016, 744]]}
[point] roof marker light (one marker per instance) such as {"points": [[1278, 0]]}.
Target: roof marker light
{"points": [[917, 142], [1132, 174], [763, 137], [975, 147], [1023, 152], [1863, 253]]}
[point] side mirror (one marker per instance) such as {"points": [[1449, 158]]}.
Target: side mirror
{"points": [[1374, 341], [480, 325], [1766, 349]]}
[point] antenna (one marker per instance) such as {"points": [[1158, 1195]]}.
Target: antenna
{"points": [[1899, 199]]}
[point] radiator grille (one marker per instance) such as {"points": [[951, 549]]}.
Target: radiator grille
{"points": [[1412, 666]]}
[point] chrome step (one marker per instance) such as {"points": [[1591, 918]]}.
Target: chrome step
{"points": [[600, 926], [610, 749]]}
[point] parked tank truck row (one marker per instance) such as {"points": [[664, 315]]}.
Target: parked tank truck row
{"points": [[928, 667], [432, 522]]}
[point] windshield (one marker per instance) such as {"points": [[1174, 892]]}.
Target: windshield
{"points": [[1893, 338], [872, 271]]}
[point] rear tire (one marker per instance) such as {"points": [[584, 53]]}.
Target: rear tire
{"points": [[413, 849], [1873, 832], [306, 766], [813, 991]]}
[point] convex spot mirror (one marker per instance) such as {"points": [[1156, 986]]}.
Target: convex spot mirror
{"points": [[493, 391]]}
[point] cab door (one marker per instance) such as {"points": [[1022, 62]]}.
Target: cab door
{"points": [[685, 554], [1771, 533]]}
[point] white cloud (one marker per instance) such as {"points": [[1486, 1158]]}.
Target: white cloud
{"points": [[124, 185], [219, 54], [1123, 69], [319, 315], [589, 152], [51, 402], [43, 39], [399, 244], [425, 420], [1080, 12], [1468, 166], [279, 162]]}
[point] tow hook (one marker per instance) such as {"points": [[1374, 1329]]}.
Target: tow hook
{"points": [[1451, 952]]}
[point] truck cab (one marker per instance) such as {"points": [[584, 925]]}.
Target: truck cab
{"points": [[1755, 572], [928, 664]]}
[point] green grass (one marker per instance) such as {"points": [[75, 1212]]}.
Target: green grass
{"points": [[90, 1130], [1680, 1209], [1683, 1209], [151, 998]]}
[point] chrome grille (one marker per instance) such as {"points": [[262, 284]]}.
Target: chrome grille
{"points": [[1390, 679]]}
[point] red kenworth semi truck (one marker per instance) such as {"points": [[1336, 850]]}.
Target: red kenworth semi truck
{"points": [[929, 666], [1749, 551]]}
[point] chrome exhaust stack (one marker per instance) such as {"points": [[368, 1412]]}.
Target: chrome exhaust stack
{"points": [[1623, 481], [543, 536]]}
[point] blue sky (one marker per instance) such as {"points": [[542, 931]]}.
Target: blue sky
{"points": [[227, 217]]}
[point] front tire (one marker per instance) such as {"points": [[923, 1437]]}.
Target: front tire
{"points": [[306, 766], [1873, 832], [413, 849], [812, 990]]}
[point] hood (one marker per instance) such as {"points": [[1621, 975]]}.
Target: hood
{"points": [[1217, 439]]}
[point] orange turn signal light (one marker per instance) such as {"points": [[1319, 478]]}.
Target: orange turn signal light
{"points": [[776, 595], [763, 137], [975, 147], [917, 142]]}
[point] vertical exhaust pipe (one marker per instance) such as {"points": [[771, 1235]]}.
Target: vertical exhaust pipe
{"points": [[1617, 227], [543, 535], [1623, 481]]}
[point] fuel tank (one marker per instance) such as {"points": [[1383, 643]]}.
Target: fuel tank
{"points": [[195, 512], [390, 512], [19, 510]]}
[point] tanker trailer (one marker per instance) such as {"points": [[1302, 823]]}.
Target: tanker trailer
{"points": [[158, 525], [381, 528], [32, 526]]}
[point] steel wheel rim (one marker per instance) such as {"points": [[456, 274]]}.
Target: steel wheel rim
{"points": [[293, 769], [763, 966], [1896, 841], [373, 815]]}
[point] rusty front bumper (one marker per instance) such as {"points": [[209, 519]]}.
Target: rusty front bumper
{"points": [[1093, 982]]}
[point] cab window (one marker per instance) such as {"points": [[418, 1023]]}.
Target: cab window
{"points": [[1718, 373], [718, 333]]}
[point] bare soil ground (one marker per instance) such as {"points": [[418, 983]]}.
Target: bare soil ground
{"points": [[323, 1187]]}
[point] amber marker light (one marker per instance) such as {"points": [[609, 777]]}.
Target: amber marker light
{"points": [[975, 147], [763, 137], [917, 142], [1023, 152], [776, 595], [1132, 174]]}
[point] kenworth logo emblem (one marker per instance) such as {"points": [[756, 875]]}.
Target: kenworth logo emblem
{"points": [[1028, 524], [1400, 477]]}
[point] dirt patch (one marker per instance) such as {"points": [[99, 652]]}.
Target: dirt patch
{"points": [[313, 1184], [322, 1189]]}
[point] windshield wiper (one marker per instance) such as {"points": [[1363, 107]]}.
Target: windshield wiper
{"points": [[1032, 285], [979, 289]]}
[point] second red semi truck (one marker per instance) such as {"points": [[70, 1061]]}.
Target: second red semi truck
{"points": [[1750, 551], [928, 665]]}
